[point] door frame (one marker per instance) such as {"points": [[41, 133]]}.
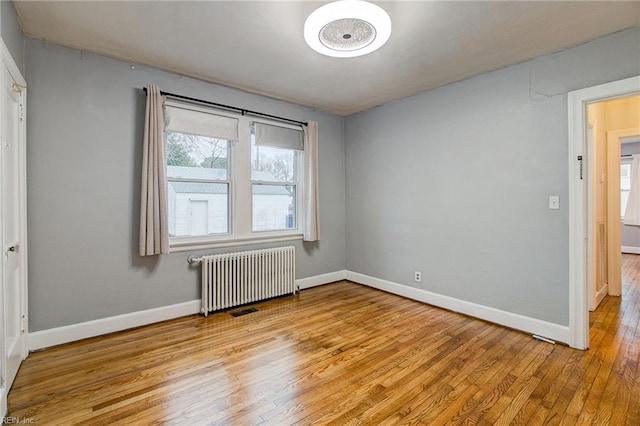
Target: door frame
{"points": [[13, 69], [579, 209], [614, 222]]}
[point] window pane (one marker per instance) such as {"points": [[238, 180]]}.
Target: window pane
{"points": [[270, 164], [196, 157], [274, 207], [625, 186], [625, 176], [198, 208]]}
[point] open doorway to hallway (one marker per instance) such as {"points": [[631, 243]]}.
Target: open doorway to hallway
{"points": [[580, 203], [613, 139]]}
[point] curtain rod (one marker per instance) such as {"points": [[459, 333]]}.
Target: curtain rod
{"points": [[240, 110]]}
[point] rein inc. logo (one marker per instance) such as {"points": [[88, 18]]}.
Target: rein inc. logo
{"points": [[17, 421]]}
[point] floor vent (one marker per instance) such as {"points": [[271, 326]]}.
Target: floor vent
{"points": [[243, 312]]}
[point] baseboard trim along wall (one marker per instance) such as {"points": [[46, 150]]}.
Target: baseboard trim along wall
{"points": [[631, 250], [70, 333], [317, 280], [519, 322]]}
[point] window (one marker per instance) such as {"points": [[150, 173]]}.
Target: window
{"points": [[198, 185], [230, 179], [274, 186], [625, 185]]}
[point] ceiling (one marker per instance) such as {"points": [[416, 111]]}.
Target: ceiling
{"points": [[259, 46]]}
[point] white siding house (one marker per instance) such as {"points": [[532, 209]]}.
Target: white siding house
{"points": [[201, 208], [272, 208]]}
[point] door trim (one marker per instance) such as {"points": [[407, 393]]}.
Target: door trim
{"points": [[614, 224], [578, 210]]}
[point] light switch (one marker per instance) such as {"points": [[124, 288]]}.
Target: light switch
{"points": [[554, 202]]}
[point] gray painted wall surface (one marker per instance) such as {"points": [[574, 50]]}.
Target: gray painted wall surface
{"points": [[11, 33], [85, 119], [629, 148], [630, 235], [455, 182]]}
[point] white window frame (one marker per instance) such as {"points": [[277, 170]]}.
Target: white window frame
{"points": [[240, 194]]}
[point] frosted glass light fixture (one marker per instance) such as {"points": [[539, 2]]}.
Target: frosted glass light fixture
{"points": [[347, 28]]}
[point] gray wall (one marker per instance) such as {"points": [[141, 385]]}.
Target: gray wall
{"points": [[455, 182], [630, 235], [11, 33], [630, 148], [85, 118]]}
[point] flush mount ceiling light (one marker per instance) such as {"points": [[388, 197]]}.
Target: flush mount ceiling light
{"points": [[347, 28]]}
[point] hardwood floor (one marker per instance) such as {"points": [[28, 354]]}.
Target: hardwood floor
{"points": [[341, 354]]}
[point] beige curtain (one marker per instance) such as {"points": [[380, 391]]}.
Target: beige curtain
{"points": [[632, 213], [311, 206], [154, 233]]}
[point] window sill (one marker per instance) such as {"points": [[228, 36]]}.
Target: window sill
{"points": [[185, 244]]}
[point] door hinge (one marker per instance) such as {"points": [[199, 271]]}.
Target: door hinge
{"points": [[580, 160], [23, 323], [21, 112]]}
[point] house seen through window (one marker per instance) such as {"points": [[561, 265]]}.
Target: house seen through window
{"points": [[198, 185]]}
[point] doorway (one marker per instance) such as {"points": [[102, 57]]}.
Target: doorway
{"points": [[613, 128], [13, 223], [582, 241]]}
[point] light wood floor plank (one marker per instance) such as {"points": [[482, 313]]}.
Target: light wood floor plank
{"points": [[341, 354]]}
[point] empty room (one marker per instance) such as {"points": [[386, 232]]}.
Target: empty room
{"points": [[302, 212]]}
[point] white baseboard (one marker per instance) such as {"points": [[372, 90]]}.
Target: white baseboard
{"points": [[631, 250], [70, 333], [600, 294], [317, 280], [57, 336], [519, 322]]}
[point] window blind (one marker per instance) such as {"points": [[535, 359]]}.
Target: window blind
{"points": [[277, 136], [182, 120]]}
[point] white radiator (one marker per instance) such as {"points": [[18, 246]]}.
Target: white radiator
{"points": [[233, 279]]}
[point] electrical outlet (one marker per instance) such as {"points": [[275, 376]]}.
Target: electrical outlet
{"points": [[417, 276]]}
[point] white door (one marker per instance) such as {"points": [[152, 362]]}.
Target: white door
{"points": [[198, 217], [13, 227]]}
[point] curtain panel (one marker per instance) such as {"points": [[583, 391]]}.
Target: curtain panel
{"points": [[311, 228], [632, 213], [154, 231]]}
